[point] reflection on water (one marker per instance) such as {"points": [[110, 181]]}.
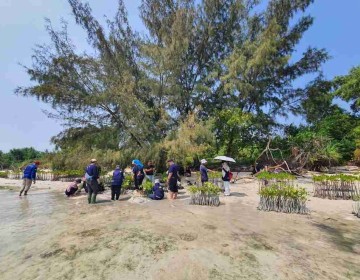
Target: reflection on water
{"points": [[22, 218]]}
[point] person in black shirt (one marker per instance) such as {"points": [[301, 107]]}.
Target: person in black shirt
{"points": [[150, 171], [172, 179]]}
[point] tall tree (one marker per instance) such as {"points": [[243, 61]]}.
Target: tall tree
{"points": [[348, 88], [100, 89]]}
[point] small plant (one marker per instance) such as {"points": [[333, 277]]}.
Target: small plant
{"points": [[283, 198], [164, 177], [267, 178], [147, 187], [205, 195], [3, 174], [339, 186]]}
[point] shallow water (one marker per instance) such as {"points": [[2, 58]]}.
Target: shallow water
{"points": [[23, 218]]}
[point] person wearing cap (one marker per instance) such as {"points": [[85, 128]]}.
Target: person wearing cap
{"points": [[73, 188], [92, 175], [158, 191], [29, 176], [116, 183], [172, 179], [204, 171]]}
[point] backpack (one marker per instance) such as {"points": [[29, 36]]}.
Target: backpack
{"points": [[228, 175]]}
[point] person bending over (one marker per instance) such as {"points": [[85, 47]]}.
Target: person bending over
{"points": [[73, 188], [158, 191], [29, 176]]}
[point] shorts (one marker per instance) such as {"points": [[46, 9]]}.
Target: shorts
{"points": [[173, 186]]}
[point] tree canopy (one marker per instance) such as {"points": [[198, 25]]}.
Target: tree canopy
{"points": [[228, 63]]}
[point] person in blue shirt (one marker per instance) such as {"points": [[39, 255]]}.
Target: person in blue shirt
{"points": [[117, 180], [29, 176], [204, 171], [172, 180], [92, 175], [158, 191], [138, 171]]}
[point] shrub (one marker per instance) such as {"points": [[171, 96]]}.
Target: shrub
{"points": [[205, 195], [283, 198], [3, 174], [340, 186]]}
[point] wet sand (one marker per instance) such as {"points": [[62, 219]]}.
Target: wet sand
{"points": [[47, 236]]}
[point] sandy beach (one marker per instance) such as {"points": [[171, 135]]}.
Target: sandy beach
{"points": [[47, 236]]}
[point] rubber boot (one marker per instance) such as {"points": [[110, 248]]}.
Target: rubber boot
{"points": [[89, 198], [93, 198], [25, 193]]}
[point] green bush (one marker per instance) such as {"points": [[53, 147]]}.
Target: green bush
{"points": [[208, 194], [3, 174], [147, 187], [283, 198]]}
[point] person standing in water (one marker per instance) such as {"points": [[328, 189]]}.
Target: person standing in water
{"points": [[29, 176], [116, 183], [92, 175]]}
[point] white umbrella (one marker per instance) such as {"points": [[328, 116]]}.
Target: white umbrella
{"points": [[224, 158]]}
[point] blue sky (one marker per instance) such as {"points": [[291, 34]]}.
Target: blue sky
{"points": [[22, 122]]}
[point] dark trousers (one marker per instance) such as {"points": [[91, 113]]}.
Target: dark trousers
{"points": [[93, 188], [138, 181], [115, 192]]}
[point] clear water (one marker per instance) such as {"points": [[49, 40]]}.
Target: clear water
{"points": [[23, 218]]}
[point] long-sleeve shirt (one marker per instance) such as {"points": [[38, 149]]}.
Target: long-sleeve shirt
{"points": [[118, 178], [93, 171], [30, 171], [158, 191]]}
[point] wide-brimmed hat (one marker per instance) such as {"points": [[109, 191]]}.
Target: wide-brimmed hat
{"points": [[157, 181], [203, 161], [93, 160]]}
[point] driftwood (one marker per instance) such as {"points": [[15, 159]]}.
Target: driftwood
{"points": [[282, 165]]}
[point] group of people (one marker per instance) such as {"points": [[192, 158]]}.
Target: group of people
{"points": [[225, 172], [140, 172]]}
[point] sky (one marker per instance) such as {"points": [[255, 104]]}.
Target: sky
{"points": [[22, 121]]}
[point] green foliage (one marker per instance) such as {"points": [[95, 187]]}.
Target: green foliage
{"points": [[147, 186], [228, 61], [210, 77], [348, 88], [208, 189], [193, 139], [282, 176], [284, 192], [128, 181], [283, 198], [19, 157], [3, 174], [214, 175], [337, 177]]}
